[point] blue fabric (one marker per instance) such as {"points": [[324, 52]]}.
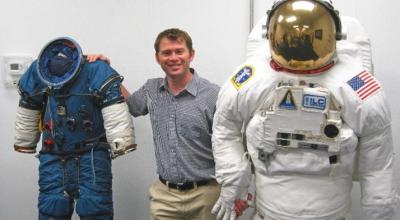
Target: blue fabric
{"points": [[59, 65], [82, 102], [84, 178], [31, 89]]}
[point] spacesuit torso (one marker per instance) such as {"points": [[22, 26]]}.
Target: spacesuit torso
{"points": [[302, 149], [72, 120]]}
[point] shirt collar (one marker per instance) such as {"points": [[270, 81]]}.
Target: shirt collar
{"points": [[191, 87]]}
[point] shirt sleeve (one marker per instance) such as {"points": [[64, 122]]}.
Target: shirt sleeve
{"points": [[137, 101]]}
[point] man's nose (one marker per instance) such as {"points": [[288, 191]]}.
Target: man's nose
{"points": [[173, 56]]}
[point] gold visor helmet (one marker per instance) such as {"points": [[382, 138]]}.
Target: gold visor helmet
{"points": [[302, 33]]}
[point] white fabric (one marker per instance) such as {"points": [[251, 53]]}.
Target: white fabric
{"points": [[27, 133], [222, 210], [234, 185], [365, 145], [119, 128], [357, 42]]}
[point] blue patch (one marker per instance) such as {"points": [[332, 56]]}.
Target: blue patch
{"points": [[287, 101], [242, 76], [313, 101]]}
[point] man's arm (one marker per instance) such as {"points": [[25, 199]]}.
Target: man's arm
{"points": [[125, 92]]}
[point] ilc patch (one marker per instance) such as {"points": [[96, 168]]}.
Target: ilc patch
{"points": [[314, 101], [242, 76]]}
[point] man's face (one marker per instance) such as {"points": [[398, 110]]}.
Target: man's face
{"points": [[174, 58]]}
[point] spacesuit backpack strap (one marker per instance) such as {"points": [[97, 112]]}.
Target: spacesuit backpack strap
{"points": [[28, 116], [117, 119]]}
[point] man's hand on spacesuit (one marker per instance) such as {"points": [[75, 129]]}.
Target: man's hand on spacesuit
{"points": [[94, 57]]}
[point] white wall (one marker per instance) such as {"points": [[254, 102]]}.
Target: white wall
{"points": [[125, 30]]}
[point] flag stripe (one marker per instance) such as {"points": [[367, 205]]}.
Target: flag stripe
{"points": [[367, 90], [368, 94], [366, 87]]}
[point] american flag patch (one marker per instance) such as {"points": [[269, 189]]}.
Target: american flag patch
{"points": [[364, 84]]}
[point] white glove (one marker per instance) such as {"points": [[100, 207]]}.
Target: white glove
{"points": [[224, 207], [27, 132], [233, 187], [119, 129]]}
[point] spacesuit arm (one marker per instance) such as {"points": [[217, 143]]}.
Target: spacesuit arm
{"points": [[375, 159], [27, 132], [117, 120], [376, 175], [119, 129], [27, 120], [232, 168]]}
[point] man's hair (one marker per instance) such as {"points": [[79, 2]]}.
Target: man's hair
{"points": [[173, 34]]}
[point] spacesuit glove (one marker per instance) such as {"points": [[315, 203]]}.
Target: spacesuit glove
{"points": [[224, 207], [235, 181]]}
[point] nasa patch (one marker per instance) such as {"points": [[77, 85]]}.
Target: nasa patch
{"points": [[288, 102], [242, 76]]}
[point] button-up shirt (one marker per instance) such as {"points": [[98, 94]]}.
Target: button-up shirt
{"points": [[182, 126]]}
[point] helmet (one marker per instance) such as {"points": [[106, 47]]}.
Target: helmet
{"points": [[59, 62], [302, 33]]}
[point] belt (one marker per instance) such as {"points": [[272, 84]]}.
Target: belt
{"points": [[183, 186], [80, 147]]}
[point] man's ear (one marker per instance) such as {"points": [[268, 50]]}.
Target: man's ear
{"points": [[192, 55], [158, 60]]}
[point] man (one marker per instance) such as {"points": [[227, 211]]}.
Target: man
{"points": [[181, 107], [80, 112], [310, 125]]}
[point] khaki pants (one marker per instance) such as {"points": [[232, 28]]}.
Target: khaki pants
{"points": [[172, 204]]}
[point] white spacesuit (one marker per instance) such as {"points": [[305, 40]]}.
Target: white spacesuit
{"points": [[311, 117]]}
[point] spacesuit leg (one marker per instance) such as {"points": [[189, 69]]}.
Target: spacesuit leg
{"points": [[54, 203], [95, 184]]}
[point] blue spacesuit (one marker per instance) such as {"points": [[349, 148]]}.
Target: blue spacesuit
{"points": [[78, 109]]}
